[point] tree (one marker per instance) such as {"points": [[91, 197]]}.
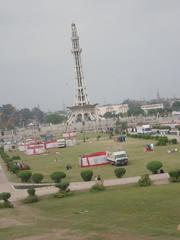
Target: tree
{"points": [[25, 117], [38, 115], [176, 106], [120, 127], [8, 116], [134, 107], [54, 118]]}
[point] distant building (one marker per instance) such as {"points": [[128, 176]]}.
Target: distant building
{"points": [[176, 113], [115, 108], [146, 108]]}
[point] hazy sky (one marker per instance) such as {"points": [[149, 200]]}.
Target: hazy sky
{"points": [[131, 48]]}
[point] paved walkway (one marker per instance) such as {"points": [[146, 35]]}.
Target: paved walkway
{"points": [[17, 194]]}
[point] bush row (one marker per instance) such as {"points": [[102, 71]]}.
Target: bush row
{"points": [[161, 141], [11, 163]]}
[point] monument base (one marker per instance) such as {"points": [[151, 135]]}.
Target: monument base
{"points": [[83, 113]]}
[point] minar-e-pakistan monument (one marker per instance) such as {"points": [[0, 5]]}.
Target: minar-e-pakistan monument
{"points": [[82, 110]]}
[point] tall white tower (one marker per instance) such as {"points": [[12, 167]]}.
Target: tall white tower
{"points": [[81, 110]]}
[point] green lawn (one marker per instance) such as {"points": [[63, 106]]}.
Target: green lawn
{"points": [[135, 148], [127, 213]]}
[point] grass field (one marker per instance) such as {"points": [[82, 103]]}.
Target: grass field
{"points": [[121, 213], [46, 164]]}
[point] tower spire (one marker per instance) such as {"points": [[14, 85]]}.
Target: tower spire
{"points": [[81, 97], [82, 110]]}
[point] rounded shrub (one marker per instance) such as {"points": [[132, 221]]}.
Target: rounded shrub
{"points": [[25, 175], [154, 166], [5, 196], [37, 177], [87, 175], [31, 191], [144, 181], [63, 185], [31, 199], [13, 168], [32, 196], [175, 175], [119, 172], [57, 176]]}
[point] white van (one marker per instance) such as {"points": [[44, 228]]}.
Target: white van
{"points": [[118, 158]]}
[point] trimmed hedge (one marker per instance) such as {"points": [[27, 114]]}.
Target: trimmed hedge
{"points": [[161, 141], [175, 175], [87, 175], [154, 166], [32, 198], [119, 172], [5, 197], [37, 177], [25, 175], [57, 176], [144, 181], [63, 185]]}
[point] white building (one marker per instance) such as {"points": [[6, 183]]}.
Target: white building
{"points": [[116, 109], [146, 108], [176, 113]]}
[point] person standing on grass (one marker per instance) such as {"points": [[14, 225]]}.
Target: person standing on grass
{"points": [[99, 180]]}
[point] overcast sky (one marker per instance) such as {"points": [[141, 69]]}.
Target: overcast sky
{"points": [[130, 49]]}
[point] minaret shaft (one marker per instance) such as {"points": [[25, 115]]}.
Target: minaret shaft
{"points": [[82, 110], [80, 88]]}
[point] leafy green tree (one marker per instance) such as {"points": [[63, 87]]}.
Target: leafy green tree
{"points": [[176, 106], [38, 115], [8, 116], [134, 107], [54, 118]]}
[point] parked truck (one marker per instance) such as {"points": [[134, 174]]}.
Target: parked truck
{"points": [[118, 158]]}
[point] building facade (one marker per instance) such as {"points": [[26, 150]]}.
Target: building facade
{"points": [[146, 108], [115, 108]]}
